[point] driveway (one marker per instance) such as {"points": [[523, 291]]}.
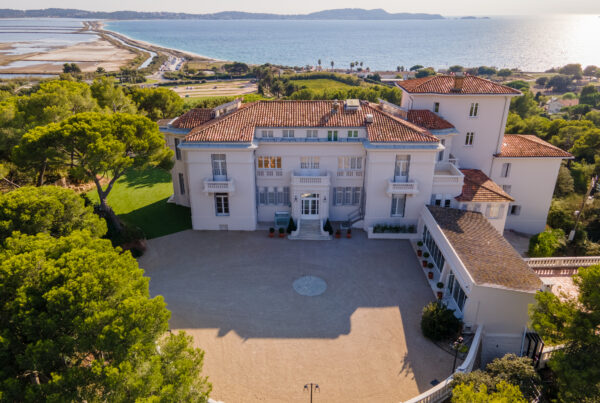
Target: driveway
{"points": [[360, 340]]}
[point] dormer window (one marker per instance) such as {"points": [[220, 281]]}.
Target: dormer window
{"points": [[436, 107]]}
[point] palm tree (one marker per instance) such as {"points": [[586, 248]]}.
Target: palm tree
{"points": [[332, 63], [319, 62], [351, 66], [361, 64]]}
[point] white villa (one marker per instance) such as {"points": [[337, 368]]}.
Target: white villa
{"points": [[439, 164]]}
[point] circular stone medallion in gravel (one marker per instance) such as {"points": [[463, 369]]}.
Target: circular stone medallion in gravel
{"points": [[310, 286]]}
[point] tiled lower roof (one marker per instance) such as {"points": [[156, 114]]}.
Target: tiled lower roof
{"points": [[489, 258], [478, 187], [427, 119], [193, 118], [239, 125], [529, 145], [444, 84]]}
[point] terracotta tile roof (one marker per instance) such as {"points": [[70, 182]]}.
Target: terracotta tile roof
{"points": [[240, 125], [163, 122], [489, 258], [478, 187], [529, 145], [193, 118], [428, 119], [443, 84]]}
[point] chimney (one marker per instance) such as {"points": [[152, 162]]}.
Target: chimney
{"points": [[459, 79], [336, 106]]}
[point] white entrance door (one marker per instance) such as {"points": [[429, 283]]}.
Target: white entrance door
{"points": [[310, 206]]}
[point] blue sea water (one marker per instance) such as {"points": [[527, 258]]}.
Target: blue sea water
{"points": [[528, 43]]}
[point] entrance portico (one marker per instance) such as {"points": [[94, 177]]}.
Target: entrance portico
{"points": [[310, 195]]}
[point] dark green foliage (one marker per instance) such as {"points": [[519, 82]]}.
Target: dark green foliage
{"points": [[77, 324], [71, 68], [390, 94], [590, 95], [157, 103], [486, 71], [504, 72], [291, 226], [573, 322], [561, 216], [438, 322], [559, 83], [547, 243], [571, 70], [518, 371], [416, 67], [455, 69], [564, 182], [518, 84], [541, 81], [236, 68], [426, 72], [327, 227], [525, 105], [48, 209]]}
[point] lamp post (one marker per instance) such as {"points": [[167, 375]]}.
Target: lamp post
{"points": [[312, 387], [456, 346]]}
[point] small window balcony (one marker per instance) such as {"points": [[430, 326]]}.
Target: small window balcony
{"points": [[218, 186], [310, 177], [402, 188]]}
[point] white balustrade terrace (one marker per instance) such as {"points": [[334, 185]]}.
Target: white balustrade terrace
{"points": [[562, 262], [410, 187], [212, 186], [321, 179]]}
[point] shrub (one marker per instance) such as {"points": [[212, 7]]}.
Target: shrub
{"points": [[547, 243], [291, 226], [438, 322], [327, 227], [426, 254], [420, 243]]}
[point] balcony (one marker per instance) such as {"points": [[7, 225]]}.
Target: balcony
{"points": [[447, 173], [402, 188], [212, 186], [269, 173], [312, 177]]}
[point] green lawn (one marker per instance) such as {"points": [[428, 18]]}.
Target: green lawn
{"points": [[140, 198], [321, 84]]}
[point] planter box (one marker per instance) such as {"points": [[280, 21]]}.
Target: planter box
{"points": [[398, 235]]}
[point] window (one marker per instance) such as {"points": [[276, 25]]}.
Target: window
{"points": [[441, 153], [349, 163], [332, 135], [177, 150], [309, 162], [181, 184], [494, 211], [346, 196], [312, 134], [286, 195], [436, 107], [433, 249], [469, 138], [222, 203], [398, 205], [352, 133], [288, 133], [441, 200], [401, 168], [458, 294], [515, 210], [266, 133], [269, 162], [219, 167], [505, 170], [474, 109], [507, 188], [274, 196]]}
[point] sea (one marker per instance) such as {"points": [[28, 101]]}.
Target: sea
{"points": [[528, 43]]}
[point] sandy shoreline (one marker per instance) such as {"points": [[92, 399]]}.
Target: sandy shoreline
{"points": [[111, 51]]}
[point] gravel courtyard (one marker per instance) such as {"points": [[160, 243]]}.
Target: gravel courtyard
{"points": [[359, 340]]}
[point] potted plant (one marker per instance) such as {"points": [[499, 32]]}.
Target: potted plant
{"points": [[430, 275], [349, 233], [440, 285], [425, 263], [426, 255], [271, 232], [281, 232], [419, 250], [338, 234], [291, 226], [430, 265]]}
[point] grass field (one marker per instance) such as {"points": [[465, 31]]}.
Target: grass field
{"points": [[321, 84], [140, 198], [215, 88]]}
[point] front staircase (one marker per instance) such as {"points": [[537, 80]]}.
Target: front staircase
{"points": [[309, 230]]}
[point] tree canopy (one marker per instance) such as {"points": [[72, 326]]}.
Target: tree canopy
{"points": [[48, 209], [574, 322], [157, 103], [77, 324], [504, 393], [111, 96]]}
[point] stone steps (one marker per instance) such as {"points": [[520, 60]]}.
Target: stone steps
{"points": [[310, 230]]}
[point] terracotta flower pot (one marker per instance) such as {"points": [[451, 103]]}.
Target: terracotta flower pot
{"points": [[281, 235], [419, 253], [348, 236], [430, 275], [440, 294], [425, 263], [271, 234]]}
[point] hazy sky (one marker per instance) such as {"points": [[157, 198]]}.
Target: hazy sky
{"points": [[444, 7]]}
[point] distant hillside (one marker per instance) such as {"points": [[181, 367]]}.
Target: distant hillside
{"points": [[340, 14]]}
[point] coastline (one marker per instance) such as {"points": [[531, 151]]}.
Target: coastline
{"points": [[99, 27]]}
